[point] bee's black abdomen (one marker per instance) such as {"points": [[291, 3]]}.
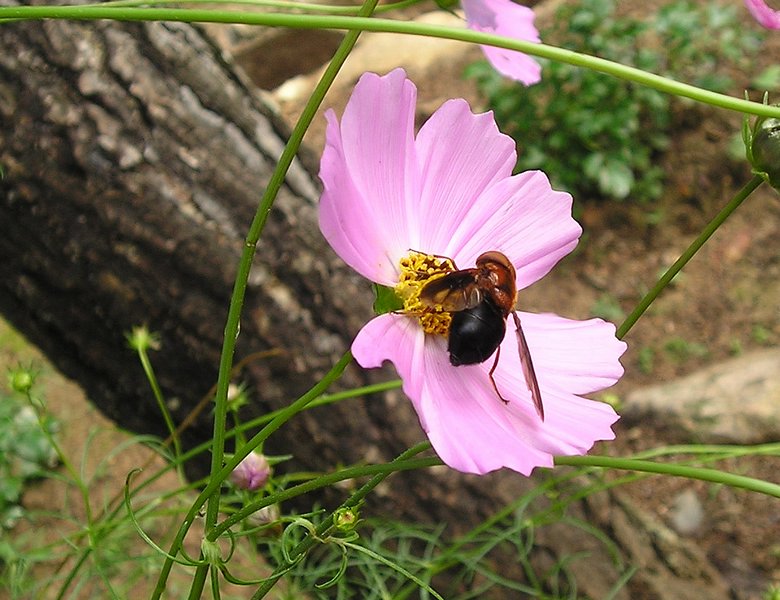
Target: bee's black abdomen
{"points": [[475, 333]]}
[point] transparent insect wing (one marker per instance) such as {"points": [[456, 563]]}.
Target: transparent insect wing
{"points": [[453, 292], [528, 368]]}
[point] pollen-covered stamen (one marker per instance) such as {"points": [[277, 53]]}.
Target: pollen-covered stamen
{"points": [[418, 269]]}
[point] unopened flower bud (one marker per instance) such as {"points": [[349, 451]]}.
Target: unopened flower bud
{"points": [[236, 397], [251, 473], [21, 380], [345, 519], [764, 151]]}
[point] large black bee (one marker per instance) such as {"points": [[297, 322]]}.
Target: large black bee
{"points": [[480, 300]]}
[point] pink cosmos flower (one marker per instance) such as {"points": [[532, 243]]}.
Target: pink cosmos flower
{"points": [[504, 17], [449, 191], [768, 17]]}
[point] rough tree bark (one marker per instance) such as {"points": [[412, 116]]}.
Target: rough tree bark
{"points": [[133, 157]]}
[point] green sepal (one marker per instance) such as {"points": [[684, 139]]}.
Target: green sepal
{"points": [[762, 145], [386, 299], [766, 150], [447, 5]]}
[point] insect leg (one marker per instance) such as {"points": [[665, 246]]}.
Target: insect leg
{"points": [[492, 380], [447, 258]]}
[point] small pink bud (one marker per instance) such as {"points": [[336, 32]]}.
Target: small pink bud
{"points": [[251, 473]]}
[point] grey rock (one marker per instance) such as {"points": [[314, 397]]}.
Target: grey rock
{"points": [[687, 513], [736, 401]]}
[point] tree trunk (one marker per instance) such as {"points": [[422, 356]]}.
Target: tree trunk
{"points": [[133, 158]]}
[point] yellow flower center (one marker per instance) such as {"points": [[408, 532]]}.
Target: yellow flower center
{"points": [[418, 269]]}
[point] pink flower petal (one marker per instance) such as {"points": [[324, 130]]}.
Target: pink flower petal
{"points": [[368, 174], [505, 18], [372, 346], [468, 425], [460, 154], [578, 356], [768, 17], [524, 218], [443, 204]]}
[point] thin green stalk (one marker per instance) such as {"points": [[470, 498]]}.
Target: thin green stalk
{"points": [[601, 65], [353, 501], [76, 479], [146, 364], [374, 388], [453, 555], [718, 451], [319, 483], [699, 454], [291, 5], [215, 480], [674, 470], [71, 576], [667, 277]]}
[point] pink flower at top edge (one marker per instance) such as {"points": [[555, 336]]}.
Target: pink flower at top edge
{"points": [[768, 17], [450, 191], [504, 17]]}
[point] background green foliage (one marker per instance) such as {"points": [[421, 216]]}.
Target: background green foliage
{"points": [[598, 136], [25, 454]]}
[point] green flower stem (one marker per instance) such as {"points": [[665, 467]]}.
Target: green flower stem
{"points": [[325, 481], [216, 479], [674, 470], [667, 277], [76, 477], [143, 356], [711, 451], [298, 7], [323, 400], [374, 388], [453, 554], [71, 576], [633, 74], [698, 455], [354, 500]]}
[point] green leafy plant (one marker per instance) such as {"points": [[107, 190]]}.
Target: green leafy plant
{"points": [[607, 307], [25, 451], [646, 360], [597, 136], [681, 350]]}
